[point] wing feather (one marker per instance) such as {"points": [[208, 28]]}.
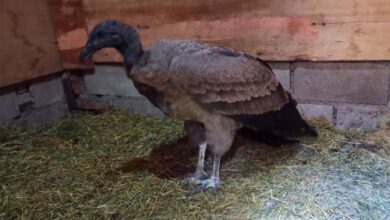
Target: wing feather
{"points": [[220, 79], [228, 82]]}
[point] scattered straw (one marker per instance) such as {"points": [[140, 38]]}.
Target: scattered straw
{"points": [[121, 166]]}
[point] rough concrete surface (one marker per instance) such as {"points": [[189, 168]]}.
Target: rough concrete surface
{"points": [[9, 107], [359, 83], [40, 102], [339, 87], [47, 92], [358, 117], [110, 80], [136, 105], [36, 117], [282, 73], [312, 111]]}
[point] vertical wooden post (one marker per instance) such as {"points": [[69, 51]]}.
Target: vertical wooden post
{"points": [[71, 31]]}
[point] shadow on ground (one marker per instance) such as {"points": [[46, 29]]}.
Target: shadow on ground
{"points": [[178, 159]]}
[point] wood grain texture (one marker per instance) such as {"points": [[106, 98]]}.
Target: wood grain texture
{"points": [[71, 31], [27, 41], [272, 30]]}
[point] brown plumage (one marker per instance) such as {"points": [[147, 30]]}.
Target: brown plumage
{"points": [[215, 90], [220, 80]]}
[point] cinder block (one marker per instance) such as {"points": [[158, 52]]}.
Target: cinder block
{"points": [[110, 80], [138, 106], [358, 117], [282, 73], [312, 111], [37, 117], [360, 83], [91, 105], [25, 98], [9, 108], [47, 92]]}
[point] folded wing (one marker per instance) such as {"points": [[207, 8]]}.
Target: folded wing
{"points": [[228, 82]]}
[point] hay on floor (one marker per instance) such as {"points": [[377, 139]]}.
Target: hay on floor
{"points": [[121, 166]]}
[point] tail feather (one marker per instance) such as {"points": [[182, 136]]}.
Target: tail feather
{"points": [[265, 137], [284, 121]]}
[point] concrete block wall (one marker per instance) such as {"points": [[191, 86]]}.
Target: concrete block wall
{"points": [[34, 102], [348, 94], [109, 84]]}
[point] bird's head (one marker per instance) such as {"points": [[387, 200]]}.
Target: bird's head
{"points": [[109, 33]]}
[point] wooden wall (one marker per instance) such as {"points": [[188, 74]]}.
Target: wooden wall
{"points": [[40, 37], [27, 41], [44, 36], [71, 31], [326, 30]]}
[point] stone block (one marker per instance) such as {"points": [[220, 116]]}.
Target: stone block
{"points": [[360, 83], [110, 80], [9, 108], [47, 92], [47, 114], [313, 111], [282, 73], [91, 105], [138, 106], [25, 98], [358, 117]]}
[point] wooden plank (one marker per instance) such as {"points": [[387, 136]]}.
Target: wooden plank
{"points": [[27, 41], [71, 31], [273, 30]]}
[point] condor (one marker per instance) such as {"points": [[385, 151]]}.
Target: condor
{"points": [[215, 90]]}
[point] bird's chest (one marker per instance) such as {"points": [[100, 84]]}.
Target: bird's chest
{"points": [[179, 104], [184, 108], [176, 102]]}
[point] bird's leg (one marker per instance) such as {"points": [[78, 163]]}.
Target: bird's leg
{"points": [[213, 181], [219, 134], [200, 174], [196, 134]]}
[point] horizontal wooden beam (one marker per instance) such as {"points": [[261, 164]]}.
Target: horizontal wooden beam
{"points": [[279, 30], [71, 32]]}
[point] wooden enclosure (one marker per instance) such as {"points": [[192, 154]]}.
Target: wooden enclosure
{"points": [[71, 30], [27, 42], [330, 30], [41, 37]]}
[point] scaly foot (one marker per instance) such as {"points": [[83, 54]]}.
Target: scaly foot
{"points": [[197, 177], [212, 182]]}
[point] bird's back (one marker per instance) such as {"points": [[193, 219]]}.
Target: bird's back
{"points": [[222, 80], [166, 49]]}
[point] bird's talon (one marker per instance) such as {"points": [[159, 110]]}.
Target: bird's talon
{"points": [[197, 177], [201, 175], [212, 182], [192, 180]]}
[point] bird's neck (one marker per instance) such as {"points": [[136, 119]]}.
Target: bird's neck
{"points": [[131, 52]]}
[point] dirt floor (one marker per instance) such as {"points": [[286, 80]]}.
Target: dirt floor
{"points": [[120, 166]]}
